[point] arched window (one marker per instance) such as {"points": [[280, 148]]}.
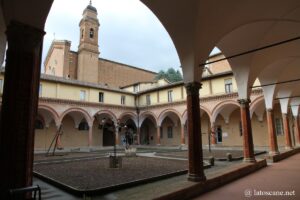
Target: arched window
{"points": [[83, 126], [82, 31], [38, 124], [91, 33]]}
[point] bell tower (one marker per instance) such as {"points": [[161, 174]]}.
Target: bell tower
{"points": [[88, 49]]}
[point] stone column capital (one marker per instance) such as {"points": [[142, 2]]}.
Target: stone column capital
{"points": [[244, 102], [193, 88]]}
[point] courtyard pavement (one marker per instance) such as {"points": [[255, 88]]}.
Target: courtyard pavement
{"points": [[267, 183], [279, 177]]}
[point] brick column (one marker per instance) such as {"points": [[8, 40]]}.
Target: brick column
{"points": [[19, 106], [213, 134], [196, 170], [158, 135], [272, 135], [138, 133], [247, 131], [287, 134], [182, 138], [117, 137], [297, 129], [59, 134], [90, 142]]}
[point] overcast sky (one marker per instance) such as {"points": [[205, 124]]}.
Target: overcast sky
{"points": [[129, 32]]}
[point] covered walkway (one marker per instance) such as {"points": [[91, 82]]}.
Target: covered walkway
{"points": [[283, 177]]}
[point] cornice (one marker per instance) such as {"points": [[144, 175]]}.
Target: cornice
{"points": [[202, 99], [84, 104]]}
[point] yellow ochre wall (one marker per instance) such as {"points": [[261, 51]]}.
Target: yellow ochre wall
{"points": [[72, 92]]}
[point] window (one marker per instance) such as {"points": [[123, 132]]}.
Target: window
{"points": [[228, 85], [136, 88], [148, 100], [82, 95], [123, 100], [170, 96], [82, 32], [278, 126], [101, 97], [161, 132], [1, 86], [83, 126], [170, 132], [91, 33], [38, 124], [40, 90]]}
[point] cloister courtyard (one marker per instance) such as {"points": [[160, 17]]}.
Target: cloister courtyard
{"points": [[89, 173]]}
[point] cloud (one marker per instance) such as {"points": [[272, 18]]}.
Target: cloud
{"points": [[129, 32]]}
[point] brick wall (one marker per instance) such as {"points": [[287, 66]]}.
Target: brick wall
{"points": [[117, 74]]}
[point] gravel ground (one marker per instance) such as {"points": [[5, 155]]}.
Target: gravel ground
{"points": [[206, 153], [61, 156], [94, 174]]}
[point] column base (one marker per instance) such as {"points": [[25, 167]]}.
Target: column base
{"points": [[274, 153], [288, 148], [196, 178], [249, 160]]}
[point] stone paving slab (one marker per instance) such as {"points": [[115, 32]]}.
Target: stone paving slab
{"points": [[283, 176]]}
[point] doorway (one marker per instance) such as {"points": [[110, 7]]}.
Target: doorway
{"points": [[219, 134], [108, 137]]}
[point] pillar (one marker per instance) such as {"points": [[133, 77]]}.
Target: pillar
{"points": [[297, 129], [182, 138], [117, 140], [59, 134], [287, 134], [247, 131], [19, 106], [273, 145], [195, 154], [213, 134], [138, 133], [158, 135], [90, 142]]}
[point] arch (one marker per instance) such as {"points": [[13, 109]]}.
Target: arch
{"points": [[50, 109], [39, 122], [92, 33], [49, 114], [106, 113], [227, 107], [257, 106], [246, 70], [132, 116], [171, 113], [145, 115], [202, 108], [77, 119]]}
